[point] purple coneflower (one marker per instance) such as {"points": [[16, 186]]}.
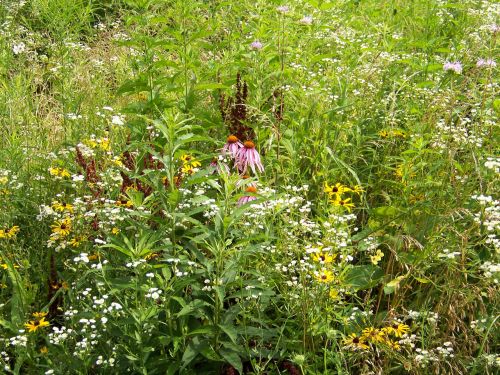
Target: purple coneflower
{"points": [[248, 198], [256, 45], [232, 146], [248, 156], [453, 66]]}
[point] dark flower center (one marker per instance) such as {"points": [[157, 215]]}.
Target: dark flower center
{"points": [[249, 144]]}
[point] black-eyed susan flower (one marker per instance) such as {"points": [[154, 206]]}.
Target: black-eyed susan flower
{"points": [[77, 241], [124, 202], [323, 257], [373, 335], [346, 203], [9, 233], [335, 191], [355, 343], [397, 329], [61, 228], [324, 276], [36, 324], [62, 206]]}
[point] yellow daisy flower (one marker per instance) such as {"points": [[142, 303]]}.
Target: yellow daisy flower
{"points": [[355, 343], [325, 276], [61, 228], [323, 257], [36, 324], [374, 335]]}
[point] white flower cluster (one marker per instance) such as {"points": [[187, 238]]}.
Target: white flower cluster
{"points": [[461, 134]]}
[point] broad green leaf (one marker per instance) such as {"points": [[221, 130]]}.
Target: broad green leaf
{"points": [[363, 277]]}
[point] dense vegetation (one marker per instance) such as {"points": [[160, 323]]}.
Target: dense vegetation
{"points": [[252, 187]]}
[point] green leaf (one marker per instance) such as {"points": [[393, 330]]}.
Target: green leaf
{"points": [[230, 331], [210, 86], [393, 285], [233, 359], [364, 277], [385, 211], [194, 306]]}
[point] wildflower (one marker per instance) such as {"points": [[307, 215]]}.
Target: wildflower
{"points": [[334, 294], [374, 335], [9, 233], [232, 145], [249, 157], [248, 198], [39, 315], [346, 203], [488, 63], [306, 20], [61, 228], [323, 257], [255, 45], [336, 190], [283, 9], [393, 344], [124, 202], [453, 66], [62, 206], [397, 329], [44, 350], [34, 325], [115, 230], [356, 343], [377, 257], [189, 164], [59, 172], [77, 241], [325, 276]]}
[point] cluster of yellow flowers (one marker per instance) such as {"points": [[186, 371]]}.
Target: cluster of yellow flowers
{"points": [[335, 194], [189, 164], [393, 133], [385, 337], [59, 172], [101, 143], [9, 233]]}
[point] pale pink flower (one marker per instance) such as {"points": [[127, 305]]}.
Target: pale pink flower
{"points": [[453, 66], [249, 157], [256, 45], [248, 198], [232, 146], [488, 63]]}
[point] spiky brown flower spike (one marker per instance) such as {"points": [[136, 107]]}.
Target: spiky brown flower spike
{"points": [[234, 111]]}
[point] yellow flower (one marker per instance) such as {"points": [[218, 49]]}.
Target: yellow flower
{"points": [[323, 257], [104, 144], [397, 329], [355, 343], [34, 325], [346, 203], [44, 350], [377, 257], [77, 241], [383, 133], [334, 294], [39, 315], [115, 230], [61, 228], [59, 172], [124, 202], [61, 207], [336, 190], [9, 233], [393, 344], [373, 335], [324, 276]]}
